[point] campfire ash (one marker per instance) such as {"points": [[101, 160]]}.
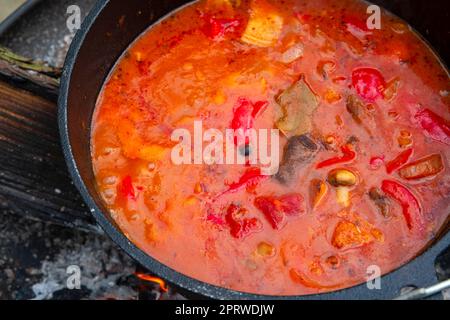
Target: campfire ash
{"points": [[35, 256], [106, 274]]}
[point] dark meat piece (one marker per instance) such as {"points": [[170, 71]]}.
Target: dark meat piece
{"points": [[359, 112], [380, 200], [299, 150], [355, 108]]}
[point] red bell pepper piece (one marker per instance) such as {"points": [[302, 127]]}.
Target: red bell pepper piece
{"points": [[268, 207], [436, 127], [349, 155], [369, 83], [244, 116], [251, 177], [410, 205], [211, 217], [240, 227], [126, 188], [275, 209], [399, 161], [303, 17], [215, 28]]}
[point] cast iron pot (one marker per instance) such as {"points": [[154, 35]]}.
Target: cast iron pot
{"points": [[94, 51]]}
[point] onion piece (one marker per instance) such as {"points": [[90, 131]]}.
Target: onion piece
{"points": [[293, 53]]}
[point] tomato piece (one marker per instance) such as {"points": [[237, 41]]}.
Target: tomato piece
{"points": [[268, 207], [348, 156], [369, 83], [126, 188], [399, 161], [411, 208], [241, 227], [436, 127], [291, 204], [303, 17], [275, 209], [355, 22], [376, 162], [216, 28]]}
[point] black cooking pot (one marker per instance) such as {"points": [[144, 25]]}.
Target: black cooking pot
{"points": [[95, 49]]}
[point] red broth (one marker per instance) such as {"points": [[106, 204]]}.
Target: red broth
{"points": [[364, 144]]}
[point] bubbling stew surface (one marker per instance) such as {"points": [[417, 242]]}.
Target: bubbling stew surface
{"points": [[363, 116]]}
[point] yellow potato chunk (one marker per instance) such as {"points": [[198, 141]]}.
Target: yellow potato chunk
{"points": [[354, 234], [133, 146], [264, 26], [347, 234]]}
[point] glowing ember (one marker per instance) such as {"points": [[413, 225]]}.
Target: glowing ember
{"points": [[162, 284]]}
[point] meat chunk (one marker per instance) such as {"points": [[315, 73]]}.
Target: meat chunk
{"points": [[359, 112], [298, 151], [380, 200]]}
